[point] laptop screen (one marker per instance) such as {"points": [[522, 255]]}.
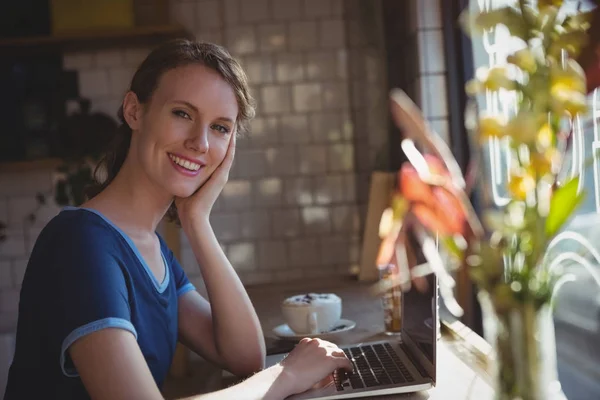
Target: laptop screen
{"points": [[420, 318]]}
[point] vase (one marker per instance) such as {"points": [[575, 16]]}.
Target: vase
{"points": [[522, 336]]}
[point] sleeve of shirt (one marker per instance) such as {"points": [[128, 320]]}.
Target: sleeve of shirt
{"points": [[91, 290], [182, 283]]}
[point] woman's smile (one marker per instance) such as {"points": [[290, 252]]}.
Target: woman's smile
{"points": [[186, 166]]}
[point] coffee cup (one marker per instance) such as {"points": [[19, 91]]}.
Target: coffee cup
{"points": [[312, 313]]}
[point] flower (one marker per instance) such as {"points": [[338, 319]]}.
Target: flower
{"points": [[492, 126], [523, 59], [524, 127], [495, 78], [521, 183]]}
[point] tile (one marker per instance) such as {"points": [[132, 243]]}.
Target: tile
{"points": [[109, 107], [442, 128], [276, 99], [209, 15], [282, 161], [6, 280], [304, 252], [317, 8], [259, 69], [19, 211], [374, 67], [342, 64], [329, 189], [251, 163], [211, 36], [346, 218], [349, 126], [108, 58], [189, 263], [335, 250], [335, 96], [255, 10], [286, 222], [184, 13], [326, 127], [303, 35], [232, 12], [242, 256], [294, 129], [320, 65], [9, 301], [268, 192], [45, 213], [337, 8], [226, 226], [320, 272], [431, 51], [307, 97], [357, 99], [349, 188], [429, 14], [241, 39], [272, 37], [19, 267], [250, 278], [312, 159], [135, 56], [288, 67], [263, 131], [120, 80], [3, 210], [298, 191], [289, 275], [31, 236], [78, 61], [435, 91], [286, 10], [316, 220], [340, 157], [272, 254], [255, 224], [93, 83], [332, 34], [237, 195]]}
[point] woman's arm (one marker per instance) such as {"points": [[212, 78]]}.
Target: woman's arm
{"points": [[226, 331]]}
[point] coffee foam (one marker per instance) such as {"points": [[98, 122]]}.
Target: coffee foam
{"points": [[309, 299]]}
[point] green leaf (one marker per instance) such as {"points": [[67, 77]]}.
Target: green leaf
{"points": [[564, 201], [452, 247]]}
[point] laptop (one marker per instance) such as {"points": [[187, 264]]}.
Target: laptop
{"points": [[403, 363]]}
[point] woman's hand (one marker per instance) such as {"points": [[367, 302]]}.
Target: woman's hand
{"points": [[199, 205], [311, 361]]}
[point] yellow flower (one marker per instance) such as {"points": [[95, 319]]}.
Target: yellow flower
{"points": [[545, 137], [544, 163], [523, 59], [565, 99], [548, 3], [520, 184], [571, 77], [495, 78], [491, 126], [524, 127]]}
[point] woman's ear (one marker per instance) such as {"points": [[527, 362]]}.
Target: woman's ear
{"points": [[132, 111]]}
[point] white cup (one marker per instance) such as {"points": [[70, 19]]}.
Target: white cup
{"points": [[312, 313]]}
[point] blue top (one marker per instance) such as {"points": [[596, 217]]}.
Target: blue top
{"points": [[85, 274]]}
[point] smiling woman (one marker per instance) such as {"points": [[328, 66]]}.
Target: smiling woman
{"points": [[104, 301]]}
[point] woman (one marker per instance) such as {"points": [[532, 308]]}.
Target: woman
{"points": [[104, 301]]}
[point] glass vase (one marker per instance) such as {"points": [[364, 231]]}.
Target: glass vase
{"points": [[524, 361]]}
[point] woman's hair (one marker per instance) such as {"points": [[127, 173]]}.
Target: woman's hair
{"points": [[172, 54]]}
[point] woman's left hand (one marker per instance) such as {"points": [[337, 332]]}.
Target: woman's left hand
{"points": [[198, 206]]}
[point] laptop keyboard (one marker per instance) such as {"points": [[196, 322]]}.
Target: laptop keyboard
{"points": [[374, 365]]}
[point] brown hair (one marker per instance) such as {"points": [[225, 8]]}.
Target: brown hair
{"points": [[172, 54]]}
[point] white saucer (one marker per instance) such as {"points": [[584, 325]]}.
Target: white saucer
{"points": [[285, 332]]}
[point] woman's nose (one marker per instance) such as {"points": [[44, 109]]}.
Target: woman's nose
{"points": [[199, 142]]}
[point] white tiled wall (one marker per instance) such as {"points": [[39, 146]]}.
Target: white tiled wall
{"points": [[293, 206]]}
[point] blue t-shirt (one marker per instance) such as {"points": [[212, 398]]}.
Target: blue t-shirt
{"points": [[85, 274]]}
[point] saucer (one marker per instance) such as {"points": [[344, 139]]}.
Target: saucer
{"points": [[285, 332]]}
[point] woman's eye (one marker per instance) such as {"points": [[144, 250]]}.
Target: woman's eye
{"points": [[223, 129], [182, 114]]}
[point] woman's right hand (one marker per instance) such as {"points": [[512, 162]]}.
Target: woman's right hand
{"points": [[311, 361]]}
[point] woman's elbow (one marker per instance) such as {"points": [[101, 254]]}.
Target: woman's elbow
{"points": [[249, 365]]}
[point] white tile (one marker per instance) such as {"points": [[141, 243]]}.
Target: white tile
{"points": [[184, 13], [335, 96], [226, 226], [321, 65], [316, 220], [320, 272], [304, 252], [109, 107], [289, 275], [232, 12], [255, 10], [326, 127], [337, 7], [120, 79], [5, 275], [272, 37], [431, 52], [442, 128], [135, 56], [93, 83], [251, 163], [346, 218], [282, 161], [276, 99], [429, 14], [329, 189], [250, 278], [317, 8], [9, 301], [237, 195], [335, 250], [286, 222], [341, 157], [332, 34], [268, 192], [263, 130], [258, 68], [294, 129], [288, 67], [78, 61], [242, 256], [108, 58], [435, 86], [286, 10], [209, 15], [374, 68], [241, 40], [312, 159], [19, 267], [255, 224], [342, 64], [307, 97], [298, 191], [349, 188], [303, 35], [211, 36]]}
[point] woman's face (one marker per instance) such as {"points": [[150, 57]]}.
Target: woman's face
{"points": [[181, 135]]}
